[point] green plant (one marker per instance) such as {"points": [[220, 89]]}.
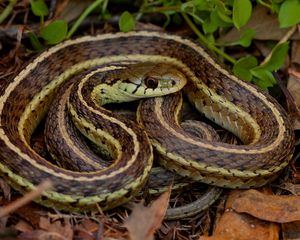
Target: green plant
{"points": [[209, 18], [52, 33], [56, 31]]}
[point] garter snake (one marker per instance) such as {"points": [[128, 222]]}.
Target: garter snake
{"points": [[255, 117]]}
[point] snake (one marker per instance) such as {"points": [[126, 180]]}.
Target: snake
{"points": [[251, 114]]}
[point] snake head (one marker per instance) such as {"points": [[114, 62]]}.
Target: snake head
{"points": [[138, 80], [150, 79]]}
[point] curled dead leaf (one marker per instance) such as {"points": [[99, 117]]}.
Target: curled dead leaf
{"points": [[144, 221]]}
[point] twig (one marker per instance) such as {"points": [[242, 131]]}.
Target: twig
{"points": [[45, 185]]}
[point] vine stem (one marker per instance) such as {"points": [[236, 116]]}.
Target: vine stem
{"points": [[8, 9], [205, 41], [264, 4], [85, 13]]}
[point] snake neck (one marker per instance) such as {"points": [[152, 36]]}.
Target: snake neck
{"points": [[103, 94]]}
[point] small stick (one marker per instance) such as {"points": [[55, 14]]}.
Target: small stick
{"points": [[28, 197]]}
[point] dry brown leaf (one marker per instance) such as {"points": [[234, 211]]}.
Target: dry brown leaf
{"points": [[272, 208], [90, 225], [87, 229], [236, 226], [144, 221], [63, 230], [31, 213], [265, 25], [23, 226]]}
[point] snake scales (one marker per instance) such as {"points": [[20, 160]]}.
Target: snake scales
{"points": [[255, 117]]}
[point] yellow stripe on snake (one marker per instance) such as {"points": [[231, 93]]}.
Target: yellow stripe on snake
{"points": [[252, 115]]}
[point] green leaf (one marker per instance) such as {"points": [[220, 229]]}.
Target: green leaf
{"points": [[243, 66], [214, 22], [289, 13], [35, 42], [211, 24], [39, 8], [55, 32], [225, 18], [263, 78], [126, 22], [246, 37], [221, 6], [242, 10], [244, 40], [187, 6], [200, 5], [278, 56], [275, 7]]}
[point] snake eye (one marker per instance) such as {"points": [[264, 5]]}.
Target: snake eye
{"points": [[151, 82]]}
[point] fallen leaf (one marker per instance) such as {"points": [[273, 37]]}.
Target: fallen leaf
{"points": [[144, 221], [31, 213], [88, 229], [265, 25], [272, 208], [57, 228], [236, 226], [90, 225], [23, 226]]}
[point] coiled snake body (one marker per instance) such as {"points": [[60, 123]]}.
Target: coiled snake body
{"points": [[254, 116]]}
